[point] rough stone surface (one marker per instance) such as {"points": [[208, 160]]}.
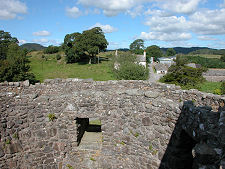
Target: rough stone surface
{"points": [[144, 125]]}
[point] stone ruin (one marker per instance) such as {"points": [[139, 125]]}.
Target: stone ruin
{"points": [[143, 125]]}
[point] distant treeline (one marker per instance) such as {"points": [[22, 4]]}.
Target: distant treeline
{"points": [[183, 50], [206, 62], [197, 50]]}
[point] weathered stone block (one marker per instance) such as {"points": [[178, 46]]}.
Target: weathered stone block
{"points": [[146, 121], [41, 133]]}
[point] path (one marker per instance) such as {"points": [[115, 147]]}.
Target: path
{"points": [[153, 77]]}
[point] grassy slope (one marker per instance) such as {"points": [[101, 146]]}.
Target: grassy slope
{"points": [[208, 56], [52, 68], [210, 87]]}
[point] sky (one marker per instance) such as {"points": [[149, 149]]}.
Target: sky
{"points": [[166, 23]]}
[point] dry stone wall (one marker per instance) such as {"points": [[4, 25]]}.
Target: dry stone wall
{"points": [[144, 125]]}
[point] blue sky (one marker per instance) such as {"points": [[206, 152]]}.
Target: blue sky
{"points": [[166, 23]]}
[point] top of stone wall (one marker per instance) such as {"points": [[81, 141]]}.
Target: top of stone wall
{"points": [[135, 83]]}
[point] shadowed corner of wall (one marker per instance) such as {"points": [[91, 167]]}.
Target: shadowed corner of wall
{"points": [[189, 148]]}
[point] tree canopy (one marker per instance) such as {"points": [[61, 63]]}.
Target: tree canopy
{"points": [[13, 61], [154, 51], [137, 46], [86, 45], [51, 49], [182, 75], [170, 52], [5, 41]]}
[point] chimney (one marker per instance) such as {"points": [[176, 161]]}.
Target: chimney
{"points": [[144, 53]]}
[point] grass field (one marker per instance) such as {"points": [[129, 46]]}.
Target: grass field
{"points": [[210, 87], [50, 68], [207, 56]]}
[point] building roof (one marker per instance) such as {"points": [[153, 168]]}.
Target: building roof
{"points": [[194, 65], [141, 58], [165, 59], [161, 67]]}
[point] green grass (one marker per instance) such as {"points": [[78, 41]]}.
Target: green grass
{"points": [[210, 87], [51, 68], [208, 56], [95, 122]]}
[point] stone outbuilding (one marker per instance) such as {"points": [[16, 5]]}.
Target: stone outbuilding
{"points": [[161, 68]]}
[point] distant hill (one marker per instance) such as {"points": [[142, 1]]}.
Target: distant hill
{"points": [[32, 46], [185, 50]]}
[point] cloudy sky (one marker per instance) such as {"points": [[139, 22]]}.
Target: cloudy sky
{"points": [[167, 23]]}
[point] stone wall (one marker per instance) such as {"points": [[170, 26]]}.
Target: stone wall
{"points": [[214, 75], [143, 125]]}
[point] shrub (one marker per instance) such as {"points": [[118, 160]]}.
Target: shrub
{"points": [[186, 77], [69, 166], [58, 57], [7, 141], [129, 70], [132, 71], [51, 49], [222, 58], [223, 87], [51, 116], [218, 92]]}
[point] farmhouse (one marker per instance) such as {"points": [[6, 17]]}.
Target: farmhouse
{"points": [[167, 60], [141, 59]]}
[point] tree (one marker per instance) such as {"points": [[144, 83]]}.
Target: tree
{"points": [[70, 45], [154, 51], [5, 41], [170, 52], [137, 46], [13, 63], [86, 45], [182, 75], [222, 58], [51, 49], [93, 41]]}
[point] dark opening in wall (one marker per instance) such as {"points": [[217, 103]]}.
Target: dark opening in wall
{"points": [[184, 151], [87, 125]]}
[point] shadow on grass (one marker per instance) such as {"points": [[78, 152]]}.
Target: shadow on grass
{"points": [[86, 61]]}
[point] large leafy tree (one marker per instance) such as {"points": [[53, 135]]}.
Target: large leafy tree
{"points": [[13, 63], [137, 46], [154, 51], [86, 45]]}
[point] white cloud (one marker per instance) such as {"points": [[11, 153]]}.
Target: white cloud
{"points": [[133, 7], [208, 22], [137, 11], [105, 28], [42, 33], [43, 40], [208, 38], [203, 23], [21, 41], [165, 36], [167, 24], [73, 12], [180, 6], [9, 9]]}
